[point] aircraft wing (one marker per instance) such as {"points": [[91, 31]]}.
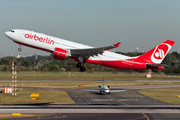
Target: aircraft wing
{"points": [[117, 90], [93, 51], [91, 90]]}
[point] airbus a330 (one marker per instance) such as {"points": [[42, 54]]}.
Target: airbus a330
{"points": [[82, 54]]}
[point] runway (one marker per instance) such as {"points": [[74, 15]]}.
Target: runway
{"points": [[96, 112], [89, 109], [128, 105]]}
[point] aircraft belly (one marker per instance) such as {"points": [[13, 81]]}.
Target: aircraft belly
{"points": [[123, 65]]}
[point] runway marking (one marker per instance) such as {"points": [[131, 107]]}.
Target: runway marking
{"points": [[128, 99], [114, 99], [102, 99], [145, 116], [136, 118], [117, 100]]}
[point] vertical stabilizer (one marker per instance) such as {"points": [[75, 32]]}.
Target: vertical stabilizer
{"points": [[157, 54]]}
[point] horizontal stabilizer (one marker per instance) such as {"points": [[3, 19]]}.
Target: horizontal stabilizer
{"points": [[155, 65]]}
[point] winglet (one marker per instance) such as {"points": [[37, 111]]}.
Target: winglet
{"points": [[117, 44]]}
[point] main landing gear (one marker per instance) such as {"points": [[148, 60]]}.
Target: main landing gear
{"points": [[82, 68], [19, 49], [80, 64]]}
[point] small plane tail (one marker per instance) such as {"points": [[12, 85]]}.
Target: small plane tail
{"points": [[157, 54]]}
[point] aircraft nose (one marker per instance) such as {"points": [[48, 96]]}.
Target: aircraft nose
{"points": [[6, 33], [9, 33]]}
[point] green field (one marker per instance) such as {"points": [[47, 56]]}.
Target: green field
{"points": [[45, 97], [75, 85], [168, 95], [9, 116], [85, 76]]}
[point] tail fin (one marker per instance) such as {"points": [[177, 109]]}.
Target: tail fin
{"points": [[157, 54]]}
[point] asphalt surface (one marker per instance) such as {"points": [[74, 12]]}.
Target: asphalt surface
{"points": [[128, 105], [101, 116], [92, 116], [129, 97]]}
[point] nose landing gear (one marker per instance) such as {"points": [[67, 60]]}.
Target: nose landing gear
{"points": [[19, 49]]}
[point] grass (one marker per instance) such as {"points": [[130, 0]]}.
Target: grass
{"points": [[75, 85], [45, 97], [9, 116], [84, 76], [168, 95]]}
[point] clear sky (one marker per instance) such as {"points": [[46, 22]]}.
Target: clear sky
{"points": [[96, 23]]}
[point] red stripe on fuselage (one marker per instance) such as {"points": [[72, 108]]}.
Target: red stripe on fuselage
{"points": [[120, 64], [34, 47]]}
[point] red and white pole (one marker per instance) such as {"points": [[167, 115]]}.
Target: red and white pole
{"points": [[12, 77], [15, 82]]}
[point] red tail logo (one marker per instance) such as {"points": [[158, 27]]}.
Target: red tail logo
{"points": [[160, 52]]}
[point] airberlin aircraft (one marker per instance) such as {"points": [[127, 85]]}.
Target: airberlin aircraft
{"points": [[82, 54]]}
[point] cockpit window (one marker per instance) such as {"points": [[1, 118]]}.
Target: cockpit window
{"points": [[11, 31]]}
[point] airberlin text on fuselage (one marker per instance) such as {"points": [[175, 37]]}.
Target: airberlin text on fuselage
{"points": [[40, 39]]}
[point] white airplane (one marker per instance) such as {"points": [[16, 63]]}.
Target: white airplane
{"points": [[104, 89], [82, 54]]}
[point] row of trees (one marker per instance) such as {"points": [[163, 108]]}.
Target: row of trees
{"points": [[48, 63]]}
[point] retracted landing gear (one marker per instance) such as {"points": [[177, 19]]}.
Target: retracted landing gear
{"points": [[19, 49]]}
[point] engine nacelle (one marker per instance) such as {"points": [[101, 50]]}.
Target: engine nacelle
{"points": [[60, 54], [108, 86], [99, 86]]}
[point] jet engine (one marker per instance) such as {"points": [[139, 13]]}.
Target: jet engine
{"points": [[60, 54], [99, 86], [108, 86]]}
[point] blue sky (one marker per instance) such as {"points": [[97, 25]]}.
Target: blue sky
{"points": [[93, 22]]}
